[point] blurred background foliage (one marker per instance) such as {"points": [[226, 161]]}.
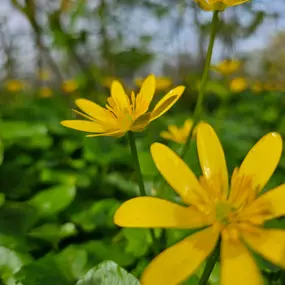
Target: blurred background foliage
{"points": [[59, 190]]}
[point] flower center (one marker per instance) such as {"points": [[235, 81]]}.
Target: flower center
{"points": [[223, 212]]}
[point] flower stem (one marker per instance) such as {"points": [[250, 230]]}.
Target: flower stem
{"points": [[199, 104], [134, 151], [210, 266], [132, 142]]}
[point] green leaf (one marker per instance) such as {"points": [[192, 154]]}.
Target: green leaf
{"points": [[57, 176], [109, 151], [53, 233], [17, 217], [12, 261], [44, 271], [72, 262], [270, 114], [15, 242], [37, 142], [2, 199], [123, 184], [138, 241], [98, 214], [18, 130], [107, 273], [1, 152], [99, 250], [53, 200]]}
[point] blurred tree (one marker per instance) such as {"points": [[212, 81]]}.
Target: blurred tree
{"points": [[29, 9], [7, 48]]}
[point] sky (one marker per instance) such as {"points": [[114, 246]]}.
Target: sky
{"points": [[166, 43]]}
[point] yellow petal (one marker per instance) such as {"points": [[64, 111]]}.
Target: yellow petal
{"points": [[188, 124], [84, 126], [166, 135], [141, 122], [212, 159], [272, 200], [151, 212], [117, 134], [83, 115], [234, 2], [121, 99], [167, 102], [237, 265], [145, 95], [92, 109], [180, 261], [178, 174], [269, 243], [209, 5], [262, 159]]}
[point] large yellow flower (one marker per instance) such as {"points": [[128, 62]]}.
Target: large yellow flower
{"points": [[219, 5], [227, 67], [162, 83], [122, 113], [235, 214], [177, 134]]}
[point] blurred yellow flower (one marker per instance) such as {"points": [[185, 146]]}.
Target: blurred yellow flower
{"points": [[257, 87], [69, 86], [44, 74], [123, 113], [162, 83], [219, 5], [45, 92], [14, 85], [238, 84], [236, 213], [177, 134], [227, 67]]}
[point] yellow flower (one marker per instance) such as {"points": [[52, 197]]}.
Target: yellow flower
{"points": [[122, 113], [177, 134], [14, 85], [219, 5], [227, 67], [45, 92], [236, 213], [162, 83], [44, 74], [69, 86], [238, 84]]}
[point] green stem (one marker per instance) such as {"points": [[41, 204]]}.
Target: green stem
{"points": [[134, 151], [132, 142], [199, 104], [210, 266]]}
